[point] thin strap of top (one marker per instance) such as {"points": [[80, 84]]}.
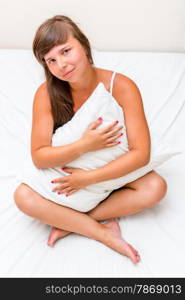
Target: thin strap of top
{"points": [[111, 83]]}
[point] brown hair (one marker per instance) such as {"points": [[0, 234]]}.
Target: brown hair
{"points": [[52, 32]]}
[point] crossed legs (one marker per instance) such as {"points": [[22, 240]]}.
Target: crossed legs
{"points": [[135, 196]]}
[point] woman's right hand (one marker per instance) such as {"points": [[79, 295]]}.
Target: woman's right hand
{"points": [[95, 139]]}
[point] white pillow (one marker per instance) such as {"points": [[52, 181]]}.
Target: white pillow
{"points": [[99, 104]]}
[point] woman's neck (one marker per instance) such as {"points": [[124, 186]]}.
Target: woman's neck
{"points": [[87, 82]]}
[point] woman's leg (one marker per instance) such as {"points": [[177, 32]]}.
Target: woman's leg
{"points": [[68, 219], [132, 198]]}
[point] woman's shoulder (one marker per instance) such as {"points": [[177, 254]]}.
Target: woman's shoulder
{"points": [[124, 90], [42, 95], [121, 82], [126, 93], [42, 88]]}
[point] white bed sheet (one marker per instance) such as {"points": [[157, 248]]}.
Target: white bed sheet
{"points": [[158, 232]]}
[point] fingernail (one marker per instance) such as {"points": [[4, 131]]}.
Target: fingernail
{"points": [[121, 134], [62, 168], [66, 195], [119, 142], [117, 122], [59, 193], [100, 119], [52, 181]]}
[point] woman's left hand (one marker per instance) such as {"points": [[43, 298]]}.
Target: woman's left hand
{"points": [[70, 184]]}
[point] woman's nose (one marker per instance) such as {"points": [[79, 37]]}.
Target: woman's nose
{"points": [[61, 63]]}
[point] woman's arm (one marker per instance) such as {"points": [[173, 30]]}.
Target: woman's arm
{"points": [[129, 98], [43, 154]]}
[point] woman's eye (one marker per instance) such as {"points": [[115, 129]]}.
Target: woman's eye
{"points": [[51, 61], [66, 50]]}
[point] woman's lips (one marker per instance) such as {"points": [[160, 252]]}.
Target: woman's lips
{"points": [[68, 73]]}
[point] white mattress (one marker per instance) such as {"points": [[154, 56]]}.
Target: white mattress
{"points": [[158, 232]]}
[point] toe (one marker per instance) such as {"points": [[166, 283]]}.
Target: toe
{"points": [[50, 242], [133, 254]]}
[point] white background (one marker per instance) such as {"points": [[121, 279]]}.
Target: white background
{"points": [[119, 25]]}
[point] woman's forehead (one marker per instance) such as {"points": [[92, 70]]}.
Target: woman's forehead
{"points": [[70, 41]]}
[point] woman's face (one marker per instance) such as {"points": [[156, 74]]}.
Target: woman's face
{"points": [[69, 57]]}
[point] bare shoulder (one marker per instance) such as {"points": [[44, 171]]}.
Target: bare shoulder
{"points": [[41, 97], [126, 91], [122, 84], [42, 88]]}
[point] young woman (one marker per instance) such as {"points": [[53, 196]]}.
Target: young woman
{"points": [[71, 77]]}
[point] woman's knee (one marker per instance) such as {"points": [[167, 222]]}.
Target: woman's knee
{"points": [[156, 190], [24, 198]]}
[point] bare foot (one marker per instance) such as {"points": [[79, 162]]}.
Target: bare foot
{"points": [[56, 234], [116, 242]]}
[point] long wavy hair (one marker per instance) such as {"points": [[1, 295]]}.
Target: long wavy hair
{"points": [[52, 32]]}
